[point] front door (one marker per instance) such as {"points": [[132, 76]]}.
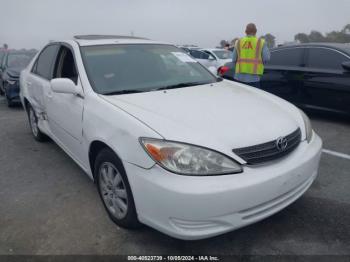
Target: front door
{"points": [[327, 83], [284, 74], [65, 111]]}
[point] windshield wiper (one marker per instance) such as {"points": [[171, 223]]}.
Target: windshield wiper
{"points": [[123, 92], [181, 85]]}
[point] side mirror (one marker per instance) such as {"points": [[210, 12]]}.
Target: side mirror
{"points": [[346, 66], [211, 58], [64, 86]]}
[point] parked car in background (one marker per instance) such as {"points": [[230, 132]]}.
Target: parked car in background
{"points": [[13, 63], [315, 76], [169, 144], [2, 55], [202, 57], [221, 56]]}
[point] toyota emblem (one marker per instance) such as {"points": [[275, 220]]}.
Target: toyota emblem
{"points": [[281, 144]]}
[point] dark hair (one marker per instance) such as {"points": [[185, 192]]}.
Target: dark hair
{"points": [[251, 29]]}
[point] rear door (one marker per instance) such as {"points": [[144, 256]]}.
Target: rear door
{"points": [[38, 80], [327, 83], [284, 73]]}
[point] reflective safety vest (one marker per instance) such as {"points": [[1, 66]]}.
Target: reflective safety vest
{"points": [[249, 61]]}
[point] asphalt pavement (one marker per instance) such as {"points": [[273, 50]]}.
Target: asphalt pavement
{"points": [[49, 206]]}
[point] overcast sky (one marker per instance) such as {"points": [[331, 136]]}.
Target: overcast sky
{"points": [[32, 23]]}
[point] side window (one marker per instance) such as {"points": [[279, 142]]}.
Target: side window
{"points": [[204, 55], [195, 54], [325, 59], [65, 65], [44, 63], [210, 55], [287, 57]]}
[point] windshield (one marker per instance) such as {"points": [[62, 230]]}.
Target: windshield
{"points": [[19, 60], [141, 67], [223, 54]]}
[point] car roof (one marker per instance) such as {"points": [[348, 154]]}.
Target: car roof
{"points": [[91, 40], [338, 46], [214, 49]]}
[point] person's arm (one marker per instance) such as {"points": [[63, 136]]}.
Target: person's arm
{"points": [[266, 55]]}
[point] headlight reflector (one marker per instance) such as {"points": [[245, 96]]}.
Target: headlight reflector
{"points": [[187, 159], [308, 127], [11, 82]]}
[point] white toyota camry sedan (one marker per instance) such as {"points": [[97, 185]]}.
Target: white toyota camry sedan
{"points": [[167, 143]]}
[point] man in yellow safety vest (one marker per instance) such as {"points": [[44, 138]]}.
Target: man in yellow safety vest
{"points": [[249, 57]]}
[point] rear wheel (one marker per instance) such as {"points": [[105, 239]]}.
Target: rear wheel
{"points": [[114, 189], [33, 122]]}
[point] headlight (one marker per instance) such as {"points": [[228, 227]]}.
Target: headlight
{"points": [[308, 127], [11, 82], [187, 159]]}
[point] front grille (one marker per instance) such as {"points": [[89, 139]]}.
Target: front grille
{"points": [[269, 151]]}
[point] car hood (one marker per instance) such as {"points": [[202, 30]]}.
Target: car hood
{"points": [[221, 116]]}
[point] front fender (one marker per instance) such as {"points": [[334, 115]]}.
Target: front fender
{"points": [[117, 129]]}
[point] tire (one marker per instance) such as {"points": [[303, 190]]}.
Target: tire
{"points": [[33, 123], [114, 190], [9, 102]]}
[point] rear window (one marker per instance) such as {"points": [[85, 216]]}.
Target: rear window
{"points": [[19, 60], [223, 54]]}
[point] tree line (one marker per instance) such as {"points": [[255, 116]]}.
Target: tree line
{"points": [[342, 36]]}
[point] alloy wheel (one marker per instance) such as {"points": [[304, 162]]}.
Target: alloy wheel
{"points": [[113, 190]]}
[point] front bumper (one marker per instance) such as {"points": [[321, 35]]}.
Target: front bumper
{"points": [[12, 91], [199, 207]]}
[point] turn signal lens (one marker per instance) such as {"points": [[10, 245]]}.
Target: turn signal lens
{"points": [[308, 128]]}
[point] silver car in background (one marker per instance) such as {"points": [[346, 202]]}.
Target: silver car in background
{"points": [[207, 60], [221, 56]]}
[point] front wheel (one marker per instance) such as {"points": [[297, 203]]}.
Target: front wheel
{"points": [[114, 190], [33, 122]]}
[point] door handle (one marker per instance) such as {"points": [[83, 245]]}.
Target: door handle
{"points": [[28, 83]]}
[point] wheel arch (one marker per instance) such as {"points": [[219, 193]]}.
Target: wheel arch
{"points": [[95, 147], [26, 104]]}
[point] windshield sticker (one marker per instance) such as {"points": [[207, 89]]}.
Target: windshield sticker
{"points": [[184, 57]]}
